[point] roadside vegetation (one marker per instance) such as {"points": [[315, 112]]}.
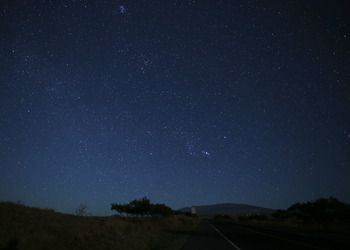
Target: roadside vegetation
{"points": [[324, 223], [23, 227], [324, 213]]}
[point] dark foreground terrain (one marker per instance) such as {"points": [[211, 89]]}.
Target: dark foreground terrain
{"points": [[224, 235], [29, 228]]}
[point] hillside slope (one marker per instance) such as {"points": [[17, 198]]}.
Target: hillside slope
{"points": [[29, 228]]}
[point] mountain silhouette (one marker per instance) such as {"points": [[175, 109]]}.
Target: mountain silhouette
{"points": [[229, 209]]}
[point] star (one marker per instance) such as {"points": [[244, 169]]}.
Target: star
{"points": [[128, 94], [205, 153], [122, 9]]}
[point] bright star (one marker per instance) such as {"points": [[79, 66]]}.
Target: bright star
{"points": [[206, 153]]}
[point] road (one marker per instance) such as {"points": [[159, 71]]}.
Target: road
{"points": [[206, 237], [231, 236]]}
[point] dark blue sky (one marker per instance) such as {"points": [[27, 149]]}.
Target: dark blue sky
{"points": [[186, 102]]}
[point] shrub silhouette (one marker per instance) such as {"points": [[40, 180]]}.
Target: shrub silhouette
{"points": [[81, 210], [142, 207], [323, 210]]}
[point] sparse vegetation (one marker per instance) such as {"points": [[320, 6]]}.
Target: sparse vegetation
{"points": [[30, 228], [322, 211], [81, 210], [322, 214], [323, 223]]}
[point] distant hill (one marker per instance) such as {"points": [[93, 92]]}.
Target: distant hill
{"points": [[229, 209]]}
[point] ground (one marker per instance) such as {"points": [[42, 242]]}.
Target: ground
{"points": [[29, 228]]}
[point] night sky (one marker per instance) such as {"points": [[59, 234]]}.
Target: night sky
{"points": [[185, 102]]}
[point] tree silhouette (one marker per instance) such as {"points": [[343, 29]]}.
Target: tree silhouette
{"points": [[81, 210], [142, 207], [161, 209]]}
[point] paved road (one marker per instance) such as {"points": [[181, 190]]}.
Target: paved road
{"points": [[230, 236], [206, 237]]}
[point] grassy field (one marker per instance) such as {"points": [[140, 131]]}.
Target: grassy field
{"points": [[29, 228]]}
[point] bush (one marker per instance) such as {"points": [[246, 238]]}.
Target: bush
{"points": [[323, 210]]}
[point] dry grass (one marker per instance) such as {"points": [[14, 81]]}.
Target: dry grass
{"points": [[29, 228]]}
